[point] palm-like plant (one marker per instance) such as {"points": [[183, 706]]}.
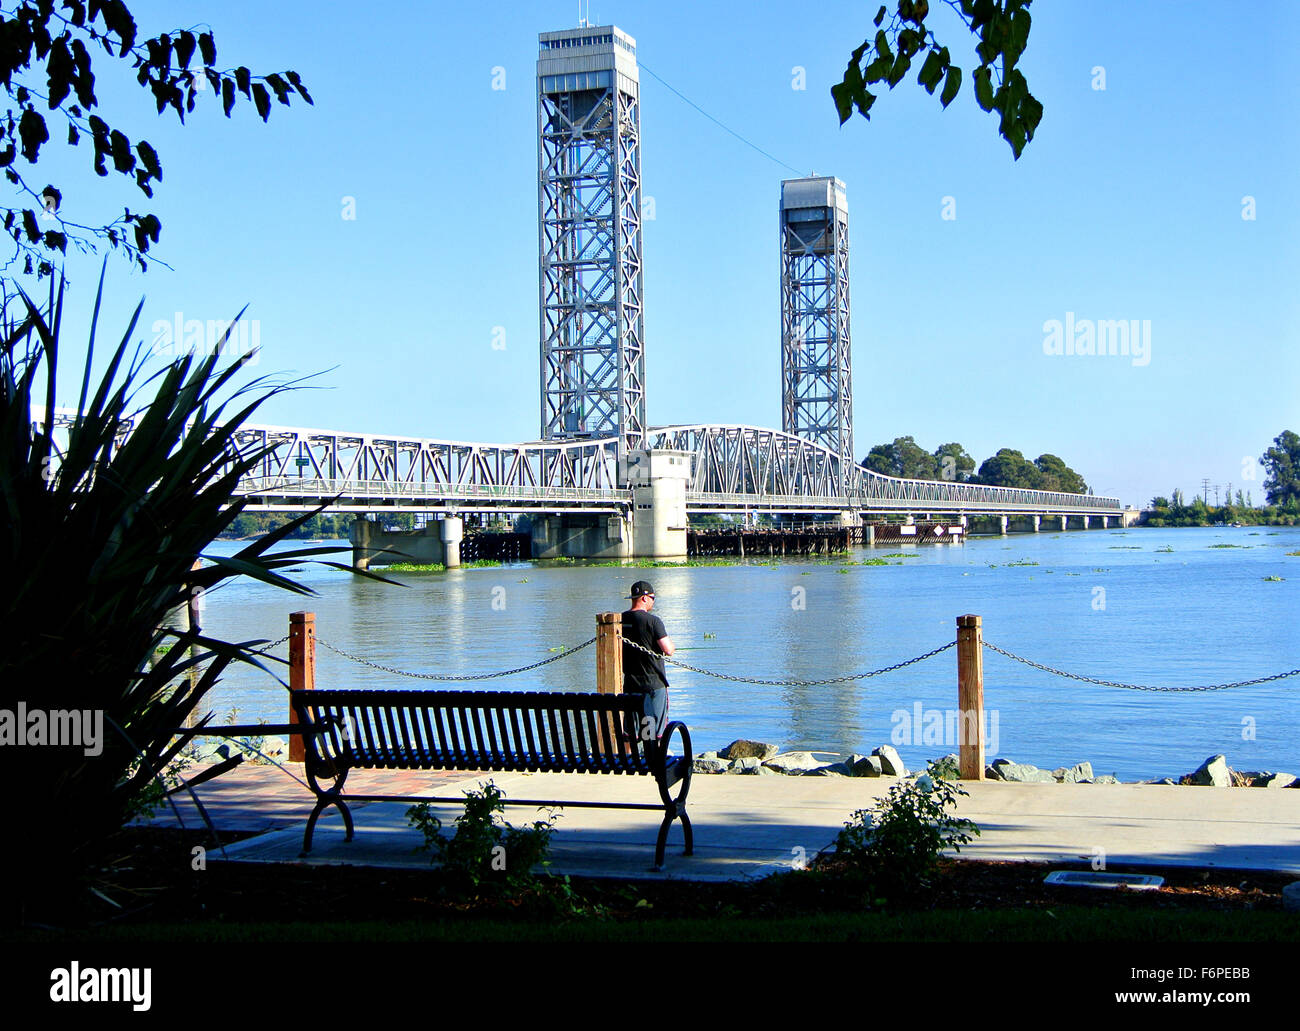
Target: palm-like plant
{"points": [[102, 537]]}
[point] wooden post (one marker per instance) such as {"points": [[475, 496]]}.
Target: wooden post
{"points": [[970, 697], [609, 652], [302, 670]]}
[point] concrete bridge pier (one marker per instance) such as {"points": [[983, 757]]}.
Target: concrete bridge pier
{"points": [[1086, 520], [371, 544], [1037, 522], [1065, 523], [581, 535], [453, 530], [1002, 525]]}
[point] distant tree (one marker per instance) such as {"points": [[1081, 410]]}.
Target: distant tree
{"points": [[905, 458], [953, 463], [1159, 502], [1009, 468], [1002, 28], [45, 58], [1056, 475], [1282, 463]]}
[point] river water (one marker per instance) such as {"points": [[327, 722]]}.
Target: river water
{"points": [[1172, 607]]}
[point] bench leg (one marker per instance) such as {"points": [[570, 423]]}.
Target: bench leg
{"points": [[323, 803], [662, 842], [687, 833]]}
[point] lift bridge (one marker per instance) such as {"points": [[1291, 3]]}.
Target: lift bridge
{"points": [[600, 481]]}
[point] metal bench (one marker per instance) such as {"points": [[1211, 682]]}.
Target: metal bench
{"points": [[512, 731]]}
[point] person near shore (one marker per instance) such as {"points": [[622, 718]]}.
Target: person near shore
{"points": [[644, 674]]}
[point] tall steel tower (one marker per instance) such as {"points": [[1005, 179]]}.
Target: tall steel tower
{"points": [[816, 360], [589, 228]]}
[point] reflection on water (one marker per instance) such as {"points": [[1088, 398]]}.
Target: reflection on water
{"points": [[1107, 604]]}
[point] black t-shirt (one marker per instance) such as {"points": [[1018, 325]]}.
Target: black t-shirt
{"points": [[641, 673]]}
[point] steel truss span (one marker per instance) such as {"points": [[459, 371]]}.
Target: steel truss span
{"points": [[733, 468], [755, 467]]}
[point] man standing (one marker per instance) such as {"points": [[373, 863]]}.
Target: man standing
{"points": [[644, 674]]}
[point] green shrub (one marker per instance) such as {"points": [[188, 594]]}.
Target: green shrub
{"points": [[485, 853], [896, 844]]}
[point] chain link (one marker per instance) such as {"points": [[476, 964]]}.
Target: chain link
{"points": [[1137, 687], [791, 683], [453, 676]]}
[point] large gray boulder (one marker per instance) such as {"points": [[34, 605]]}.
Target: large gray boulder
{"points": [[891, 763], [832, 770], [703, 765], [1213, 773], [1023, 773], [749, 764], [866, 765], [745, 749], [1074, 774], [1106, 778], [794, 762], [1276, 780]]}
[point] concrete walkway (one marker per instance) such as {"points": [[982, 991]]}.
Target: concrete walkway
{"points": [[747, 826]]}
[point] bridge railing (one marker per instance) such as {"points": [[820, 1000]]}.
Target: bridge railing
{"points": [[316, 487]]}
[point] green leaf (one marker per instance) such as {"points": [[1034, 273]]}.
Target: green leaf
{"points": [[901, 64], [951, 84], [185, 43], [242, 78], [227, 95], [984, 88], [882, 46], [880, 16], [262, 99], [931, 72], [207, 49]]}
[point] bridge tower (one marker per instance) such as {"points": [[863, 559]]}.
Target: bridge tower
{"points": [[589, 230], [816, 361]]}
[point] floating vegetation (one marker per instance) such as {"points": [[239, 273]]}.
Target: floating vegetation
{"points": [[1229, 545], [1274, 579], [1293, 554], [902, 554], [1022, 562], [841, 570], [1166, 550], [524, 580], [1138, 547], [1101, 570], [415, 567], [710, 637]]}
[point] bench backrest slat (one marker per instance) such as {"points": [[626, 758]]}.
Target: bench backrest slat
{"points": [[527, 730]]}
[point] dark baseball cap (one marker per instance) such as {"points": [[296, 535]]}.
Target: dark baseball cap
{"points": [[641, 587]]}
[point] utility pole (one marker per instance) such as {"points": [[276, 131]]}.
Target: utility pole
{"points": [[1205, 490]]}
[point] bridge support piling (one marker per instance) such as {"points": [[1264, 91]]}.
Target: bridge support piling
{"points": [[1086, 520], [1002, 525], [1037, 520], [1064, 523], [362, 530], [453, 530]]}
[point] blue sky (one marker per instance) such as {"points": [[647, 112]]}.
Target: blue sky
{"points": [[1127, 205]]}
